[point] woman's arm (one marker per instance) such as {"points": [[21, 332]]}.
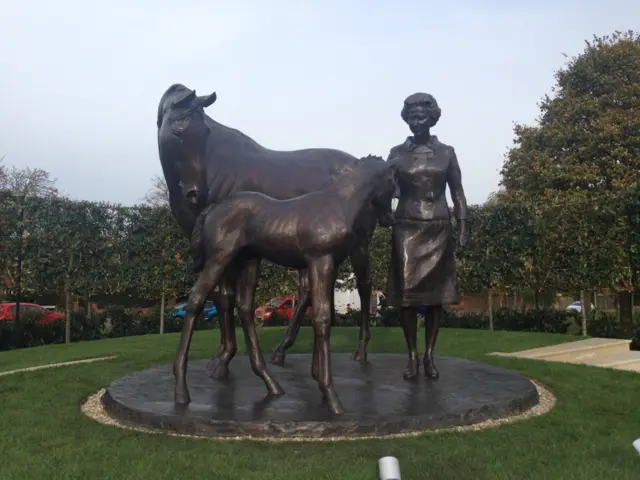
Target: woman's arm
{"points": [[454, 179]]}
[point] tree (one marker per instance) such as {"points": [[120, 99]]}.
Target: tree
{"points": [[585, 149], [157, 252], [17, 188]]}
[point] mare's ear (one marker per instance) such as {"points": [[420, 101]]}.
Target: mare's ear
{"points": [[185, 101], [206, 100]]}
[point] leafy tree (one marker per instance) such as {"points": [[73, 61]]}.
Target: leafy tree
{"points": [[584, 148], [156, 251]]}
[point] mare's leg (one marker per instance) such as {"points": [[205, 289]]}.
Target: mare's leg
{"points": [[289, 337], [247, 282], [320, 280], [409, 322], [208, 278], [362, 270], [219, 365], [219, 318], [432, 321]]}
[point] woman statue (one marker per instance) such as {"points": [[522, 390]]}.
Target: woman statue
{"points": [[422, 268]]}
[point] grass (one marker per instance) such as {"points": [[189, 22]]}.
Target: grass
{"points": [[587, 436]]}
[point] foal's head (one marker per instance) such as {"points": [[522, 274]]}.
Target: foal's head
{"points": [[372, 172]]}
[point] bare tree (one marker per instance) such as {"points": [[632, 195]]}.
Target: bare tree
{"points": [[26, 182], [158, 194]]}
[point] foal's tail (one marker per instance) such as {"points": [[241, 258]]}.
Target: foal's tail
{"points": [[197, 243]]}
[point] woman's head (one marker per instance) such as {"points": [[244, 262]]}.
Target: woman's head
{"points": [[420, 112]]}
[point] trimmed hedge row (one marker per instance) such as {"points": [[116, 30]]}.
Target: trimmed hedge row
{"points": [[116, 321]]}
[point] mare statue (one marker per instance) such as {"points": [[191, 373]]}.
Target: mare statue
{"points": [[204, 162], [315, 231]]}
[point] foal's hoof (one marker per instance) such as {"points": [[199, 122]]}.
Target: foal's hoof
{"points": [[360, 353], [182, 396], [333, 402], [278, 358], [413, 369], [430, 370], [274, 388]]}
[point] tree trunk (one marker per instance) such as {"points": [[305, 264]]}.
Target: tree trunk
{"points": [[67, 292], [583, 312], [490, 302], [87, 300], [515, 300], [625, 302], [67, 323], [162, 311]]}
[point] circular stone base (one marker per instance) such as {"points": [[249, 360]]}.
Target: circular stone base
{"points": [[377, 399]]}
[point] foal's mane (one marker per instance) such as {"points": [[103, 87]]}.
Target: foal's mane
{"points": [[355, 165]]}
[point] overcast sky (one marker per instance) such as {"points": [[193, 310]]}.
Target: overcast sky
{"points": [[81, 80]]}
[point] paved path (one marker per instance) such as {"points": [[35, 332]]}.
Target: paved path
{"points": [[599, 352], [53, 365]]}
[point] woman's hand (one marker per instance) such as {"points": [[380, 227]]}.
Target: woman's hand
{"points": [[463, 235]]}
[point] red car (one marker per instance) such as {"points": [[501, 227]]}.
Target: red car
{"points": [[8, 312], [283, 306]]}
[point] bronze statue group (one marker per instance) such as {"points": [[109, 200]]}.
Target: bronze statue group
{"points": [[227, 194]]}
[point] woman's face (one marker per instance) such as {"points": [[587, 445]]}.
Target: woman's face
{"points": [[419, 119]]}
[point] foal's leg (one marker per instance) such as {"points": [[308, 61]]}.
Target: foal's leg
{"points": [[248, 280], [320, 279], [208, 278], [362, 270], [289, 337], [219, 365]]}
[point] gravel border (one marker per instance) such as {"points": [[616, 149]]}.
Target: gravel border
{"points": [[93, 408], [55, 365]]}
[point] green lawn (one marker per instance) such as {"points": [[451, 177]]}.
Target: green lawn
{"points": [[588, 435]]}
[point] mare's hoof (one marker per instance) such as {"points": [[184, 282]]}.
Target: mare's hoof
{"points": [[278, 358], [360, 354], [219, 371], [430, 370], [182, 397]]}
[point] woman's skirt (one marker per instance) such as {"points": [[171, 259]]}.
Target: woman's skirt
{"points": [[422, 267]]}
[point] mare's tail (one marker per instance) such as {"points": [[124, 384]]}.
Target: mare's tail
{"points": [[197, 241]]}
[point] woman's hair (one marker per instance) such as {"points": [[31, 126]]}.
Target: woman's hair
{"points": [[423, 99]]}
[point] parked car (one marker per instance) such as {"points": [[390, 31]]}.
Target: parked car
{"points": [[208, 312], [278, 305], [577, 307], [8, 312]]}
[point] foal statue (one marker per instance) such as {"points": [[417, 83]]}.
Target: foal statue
{"points": [[315, 231]]}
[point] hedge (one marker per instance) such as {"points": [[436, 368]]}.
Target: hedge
{"points": [[116, 321]]}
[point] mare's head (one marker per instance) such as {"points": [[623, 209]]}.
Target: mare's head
{"points": [[182, 139], [373, 172]]}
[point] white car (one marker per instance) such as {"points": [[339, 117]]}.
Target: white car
{"points": [[577, 307]]}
